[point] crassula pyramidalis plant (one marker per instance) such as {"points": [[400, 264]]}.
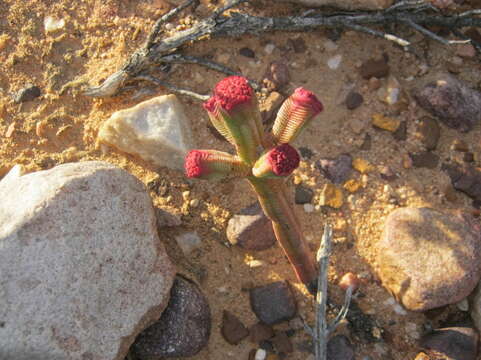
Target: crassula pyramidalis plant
{"points": [[264, 159]]}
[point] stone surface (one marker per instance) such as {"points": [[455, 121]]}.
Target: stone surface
{"points": [[425, 159], [428, 132], [385, 123], [339, 348], [276, 76], [251, 229], [347, 4], [157, 130], [465, 178], [182, 330], [233, 330], [188, 241], [338, 169], [260, 332], [83, 270], [303, 195], [28, 93], [273, 303], [353, 100], [454, 343], [377, 68], [429, 259], [451, 100], [331, 196]]}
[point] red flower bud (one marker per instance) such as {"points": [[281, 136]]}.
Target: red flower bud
{"points": [[295, 114], [213, 164], [279, 161]]}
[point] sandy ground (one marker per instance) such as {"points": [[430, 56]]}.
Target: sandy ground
{"points": [[61, 126]]}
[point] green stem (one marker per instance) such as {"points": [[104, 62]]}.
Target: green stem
{"points": [[273, 199]]}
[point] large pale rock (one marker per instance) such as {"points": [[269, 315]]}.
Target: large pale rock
{"points": [[347, 4], [429, 259], [82, 268], [157, 130]]}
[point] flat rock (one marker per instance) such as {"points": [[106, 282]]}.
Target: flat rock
{"points": [[337, 169], [451, 100], [428, 259], [347, 4], [273, 303], [425, 159], [303, 195], [233, 330], [251, 229], [428, 132], [26, 94], [83, 269], [465, 178], [157, 130], [454, 343], [260, 332], [339, 348], [377, 68], [182, 330]]}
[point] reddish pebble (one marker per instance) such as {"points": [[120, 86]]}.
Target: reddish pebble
{"points": [[349, 280]]}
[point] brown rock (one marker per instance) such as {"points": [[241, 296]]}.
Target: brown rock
{"points": [[233, 330], [465, 178], [278, 75], [251, 229], [260, 332], [425, 159], [273, 303], [428, 132], [282, 343], [466, 51], [270, 105], [429, 259], [451, 100], [353, 100], [455, 343], [374, 68]]}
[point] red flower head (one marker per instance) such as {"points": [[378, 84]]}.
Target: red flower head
{"points": [[213, 164], [234, 112], [295, 114], [279, 161]]}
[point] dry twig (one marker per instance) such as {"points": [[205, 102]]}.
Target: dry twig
{"points": [[155, 51]]}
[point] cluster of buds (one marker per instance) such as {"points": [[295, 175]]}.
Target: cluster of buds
{"points": [[262, 158]]}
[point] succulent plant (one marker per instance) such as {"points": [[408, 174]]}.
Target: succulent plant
{"points": [[264, 159]]}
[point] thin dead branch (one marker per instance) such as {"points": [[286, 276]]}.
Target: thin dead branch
{"points": [[157, 51]]}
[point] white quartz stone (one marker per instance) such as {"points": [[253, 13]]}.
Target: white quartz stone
{"points": [[157, 130]]}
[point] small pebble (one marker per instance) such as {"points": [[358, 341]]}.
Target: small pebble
{"points": [[352, 185], [463, 305], [249, 53], [330, 46], [362, 165], [334, 62], [331, 196], [308, 208], [28, 93], [269, 48], [385, 123], [51, 24], [466, 51], [353, 100], [10, 130], [374, 68], [261, 354]]}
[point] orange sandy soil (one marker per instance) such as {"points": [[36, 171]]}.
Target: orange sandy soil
{"points": [[99, 36]]}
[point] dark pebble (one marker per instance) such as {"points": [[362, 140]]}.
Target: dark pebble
{"points": [[277, 75], [353, 100], [303, 195], [455, 343], [260, 332], [233, 330], [267, 346], [468, 157], [425, 159], [183, 328], [306, 153], [367, 143], [282, 343], [27, 94], [339, 348], [451, 100], [273, 303], [374, 68], [401, 133], [297, 44], [251, 229], [245, 51], [337, 170], [465, 178], [428, 132]]}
